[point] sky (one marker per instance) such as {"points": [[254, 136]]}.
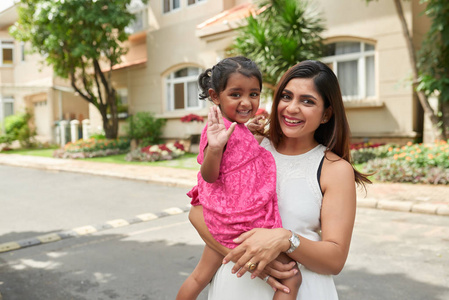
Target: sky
{"points": [[4, 4]]}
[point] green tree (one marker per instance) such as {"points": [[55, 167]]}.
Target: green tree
{"points": [[283, 33], [420, 93], [82, 41], [433, 59]]}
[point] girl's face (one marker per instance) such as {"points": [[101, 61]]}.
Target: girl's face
{"points": [[301, 109], [240, 100]]}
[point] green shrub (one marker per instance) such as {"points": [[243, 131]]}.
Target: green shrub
{"points": [[16, 128], [145, 128], [362, 155], [98, 136]]}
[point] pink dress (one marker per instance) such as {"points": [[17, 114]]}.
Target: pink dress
{"points": [[244, 195]]}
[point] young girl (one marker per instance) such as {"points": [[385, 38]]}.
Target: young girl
{"points": [[237, 179]]}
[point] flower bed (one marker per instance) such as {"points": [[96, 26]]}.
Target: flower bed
{"points": [[363, 152], [157, 152], [93, 148], [415, 163]]}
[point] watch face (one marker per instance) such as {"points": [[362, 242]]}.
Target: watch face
{"points": [[294, 243], [295, 240]]}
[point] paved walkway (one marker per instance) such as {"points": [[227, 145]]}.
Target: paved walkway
{"points": [[429, 199]]}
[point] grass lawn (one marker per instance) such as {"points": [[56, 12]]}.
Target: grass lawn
{"points": [[32, 152], [187, 161]]}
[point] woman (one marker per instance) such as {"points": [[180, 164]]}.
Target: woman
{"points": [[309, 139]]}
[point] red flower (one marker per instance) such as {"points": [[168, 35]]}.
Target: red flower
{"points": [[191, 118], [145, 149], [164, 147], [261, 111], [179, 146]]}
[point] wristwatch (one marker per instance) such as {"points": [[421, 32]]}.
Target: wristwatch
{"points": [[294, 243]]}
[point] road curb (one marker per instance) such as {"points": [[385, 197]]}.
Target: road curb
{"points": [[89, 229], [187, 178], [404, 206]]}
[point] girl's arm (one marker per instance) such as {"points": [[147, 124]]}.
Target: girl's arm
{"points": [[337, 220], [217, 137], [257, 127]]}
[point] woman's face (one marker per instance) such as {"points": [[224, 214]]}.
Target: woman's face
{"points": [[301, 109]]}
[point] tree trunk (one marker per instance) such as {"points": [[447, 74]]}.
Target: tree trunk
{"points": [[111, 124], [428, 111], [445, 118]]}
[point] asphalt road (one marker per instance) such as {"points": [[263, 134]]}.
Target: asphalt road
{"points": [[394, 255]]}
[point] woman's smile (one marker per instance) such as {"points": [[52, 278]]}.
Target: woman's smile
{"points": [[290, 121]]}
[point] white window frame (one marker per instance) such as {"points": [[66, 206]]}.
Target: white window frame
{"points": [[22, 52], [3, 101], [170, 81], [6, 46], [361, 58], [171, 9], [196, 2], [140, 10]]}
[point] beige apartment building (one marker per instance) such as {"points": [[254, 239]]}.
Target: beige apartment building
{"points": [[172, 41]]}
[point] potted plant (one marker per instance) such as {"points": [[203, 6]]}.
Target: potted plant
{"points": [[194, 124]]}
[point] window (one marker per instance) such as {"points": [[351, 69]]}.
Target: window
{"points": [[171, 5], [6, 107], [140, 12], [6, 53], [353, 63], [22, 51], [191, 2], [182, 89], [122, 101]]}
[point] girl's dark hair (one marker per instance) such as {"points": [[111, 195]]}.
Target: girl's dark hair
{"points": [[216, 78], [334, 134]]}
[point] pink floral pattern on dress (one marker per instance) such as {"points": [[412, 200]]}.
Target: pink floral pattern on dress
{"points": [[244, 195]]}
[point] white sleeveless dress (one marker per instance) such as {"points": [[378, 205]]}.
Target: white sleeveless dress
{"points": [[300, 198]]}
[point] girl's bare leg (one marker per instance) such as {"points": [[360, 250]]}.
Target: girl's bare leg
{"points": [[201, 276]]}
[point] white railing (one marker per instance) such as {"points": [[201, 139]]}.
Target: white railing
{"points": [[70, 131]]}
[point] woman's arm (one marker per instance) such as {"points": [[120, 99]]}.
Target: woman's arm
{"points": [[337, 220]]}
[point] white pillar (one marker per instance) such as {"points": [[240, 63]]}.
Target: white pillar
{"points": [[63, 125], [61, 115], [74, 125], [86, 129]]}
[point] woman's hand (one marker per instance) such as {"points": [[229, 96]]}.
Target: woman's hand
{"points": [[259, 246]]}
